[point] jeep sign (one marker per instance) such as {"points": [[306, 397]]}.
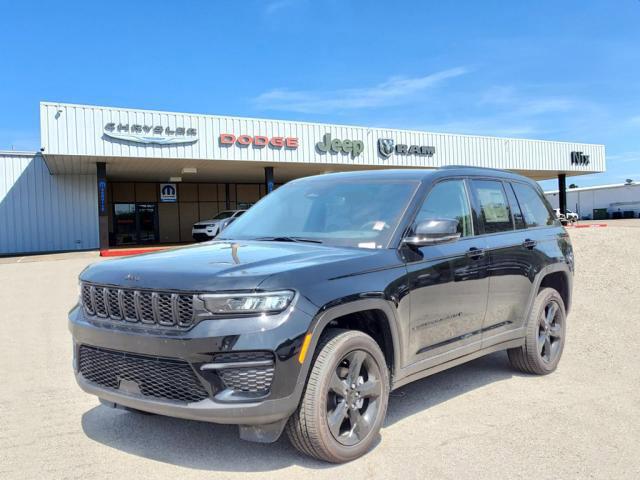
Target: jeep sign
{"points": [[354, 147]]}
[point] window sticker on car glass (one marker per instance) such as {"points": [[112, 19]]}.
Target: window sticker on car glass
{"points": [[493, 205], [367, 245], [379, 226]]}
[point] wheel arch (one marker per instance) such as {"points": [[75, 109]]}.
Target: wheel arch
{"points": [[376, 314], [558, 277]]}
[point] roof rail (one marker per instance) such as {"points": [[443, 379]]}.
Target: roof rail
{"points": [[471, 167]]}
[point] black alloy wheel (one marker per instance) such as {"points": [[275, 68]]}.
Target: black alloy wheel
{"points": [[353, 397], [344, 402]]}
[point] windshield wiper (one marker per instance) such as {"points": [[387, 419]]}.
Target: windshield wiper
{"points": [[287, 239]]}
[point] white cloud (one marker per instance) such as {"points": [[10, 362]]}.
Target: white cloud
{"points": [[625, 157], [273, 7], [510, 98], [391, 92]]}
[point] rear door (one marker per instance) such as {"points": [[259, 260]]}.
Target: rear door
{"points": [[509, 257]]}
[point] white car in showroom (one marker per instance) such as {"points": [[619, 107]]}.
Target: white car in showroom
{"points": [[208, 229]]}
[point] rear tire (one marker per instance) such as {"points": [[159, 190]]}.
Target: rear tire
{"points": [[545, 335], [345, 400]]}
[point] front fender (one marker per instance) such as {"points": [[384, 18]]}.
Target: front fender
{"points": [[324, 317]]}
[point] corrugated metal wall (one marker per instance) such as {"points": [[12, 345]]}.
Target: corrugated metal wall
{"points": [[78, 130], [40, 212], [614, 198]]}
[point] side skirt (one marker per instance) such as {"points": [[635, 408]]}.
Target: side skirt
{"points": [[400, 380]]}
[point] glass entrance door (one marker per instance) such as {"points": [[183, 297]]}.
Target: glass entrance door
{"points": [[124, 223], [135, 223], [147, 216]]}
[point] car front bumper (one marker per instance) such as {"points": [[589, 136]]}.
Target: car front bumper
{"points": [[282, 335], [204, 234]]}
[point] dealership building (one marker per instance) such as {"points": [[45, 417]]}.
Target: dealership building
{"points": [[106, 177], [620, 200]]}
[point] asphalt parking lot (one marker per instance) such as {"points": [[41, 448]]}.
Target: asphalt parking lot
{"points": [[480, 420]]}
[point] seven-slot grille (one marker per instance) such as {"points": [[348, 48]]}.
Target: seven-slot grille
{"points": [[154, 308], [161, 378]]}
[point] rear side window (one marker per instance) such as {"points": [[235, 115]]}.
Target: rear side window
{"points": [[491, 198], [534, 210]]}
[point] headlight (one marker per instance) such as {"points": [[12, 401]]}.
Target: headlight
{"points": [[264, 302]]}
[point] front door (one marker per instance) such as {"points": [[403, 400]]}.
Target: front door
{"points": [[448, 282]]}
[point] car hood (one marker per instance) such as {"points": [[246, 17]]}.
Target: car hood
{"points": [[209, 222], [227, 266]]}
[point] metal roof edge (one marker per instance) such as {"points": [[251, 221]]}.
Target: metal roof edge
{"points": [[233, 117]]}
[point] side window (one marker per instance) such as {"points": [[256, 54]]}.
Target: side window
{"points": [[515, 208], [494, 207], [448, 199], [536, 213]]}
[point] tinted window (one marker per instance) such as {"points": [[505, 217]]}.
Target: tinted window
{"points": [[448, 200], [328, 209], [536, 213], [494, 207], [515, 208], [223, 215]]}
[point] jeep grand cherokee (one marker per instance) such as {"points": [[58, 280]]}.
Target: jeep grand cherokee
{"points": [[325, 296]]}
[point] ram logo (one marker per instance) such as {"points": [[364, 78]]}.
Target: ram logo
{"points": [[386, 146]]}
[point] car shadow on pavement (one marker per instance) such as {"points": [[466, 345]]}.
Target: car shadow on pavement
{"points": [[205, 446]]}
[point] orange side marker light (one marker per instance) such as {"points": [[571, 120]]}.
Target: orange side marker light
{"points": [[305, 347]]}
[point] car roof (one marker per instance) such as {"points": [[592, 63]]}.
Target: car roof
{"points": [[421, 174]]}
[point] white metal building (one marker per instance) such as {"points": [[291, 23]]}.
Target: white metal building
{"points": [[615, 199], [113, 176]]}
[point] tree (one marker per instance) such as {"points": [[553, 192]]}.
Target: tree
{"points": [[629, 181], [573, 185]]}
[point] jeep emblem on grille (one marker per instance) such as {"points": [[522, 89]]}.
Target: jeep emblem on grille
{"points": [[129, 386]]}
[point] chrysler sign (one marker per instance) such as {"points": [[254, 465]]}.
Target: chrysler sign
{"points": [[388, 146], [150, 134]]}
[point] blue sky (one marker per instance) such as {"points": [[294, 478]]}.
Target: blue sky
{"points": [[564, 70]]}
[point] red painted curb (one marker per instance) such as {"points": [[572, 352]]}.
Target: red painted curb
{"points": [[124, 253], [591, 225]]}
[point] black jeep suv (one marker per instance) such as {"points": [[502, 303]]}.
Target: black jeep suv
{"points": [[325, 296]]}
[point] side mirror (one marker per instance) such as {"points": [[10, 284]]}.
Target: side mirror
{"points": [[433, 232]]}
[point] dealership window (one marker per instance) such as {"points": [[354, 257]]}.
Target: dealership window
{"points": [[536, 213], [495, 214]]}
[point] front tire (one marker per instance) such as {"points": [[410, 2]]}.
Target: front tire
{"points": [[545, 336], [345, 400]]}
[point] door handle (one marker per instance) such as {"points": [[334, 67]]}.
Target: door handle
{"points": [[528, 243], [475, 253]]}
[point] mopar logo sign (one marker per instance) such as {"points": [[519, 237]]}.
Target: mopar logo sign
{"points": [[168, 192]]}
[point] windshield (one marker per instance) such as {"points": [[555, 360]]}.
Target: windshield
{"points": [[223, 215], [341, 212]]}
